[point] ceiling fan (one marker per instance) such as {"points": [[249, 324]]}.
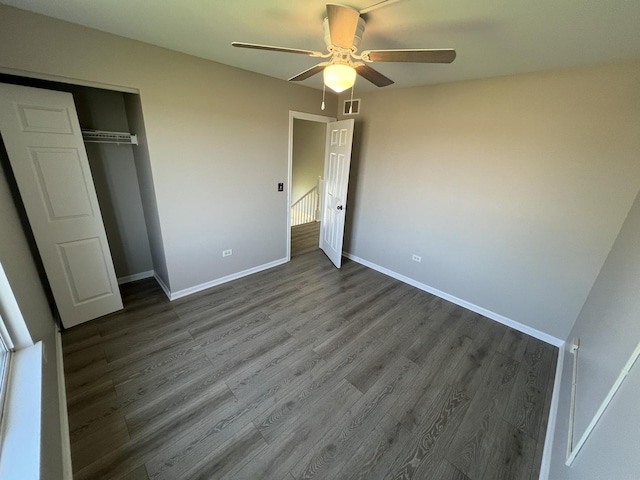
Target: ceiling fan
{"points": [[343, 29]]}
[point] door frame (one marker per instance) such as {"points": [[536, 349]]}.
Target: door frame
{"points": [[295, 115], [68, 80]]}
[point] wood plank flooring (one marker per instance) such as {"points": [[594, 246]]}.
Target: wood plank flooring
{"points": [[305, 238], [304, 371]]}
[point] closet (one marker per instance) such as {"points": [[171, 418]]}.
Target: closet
{"points": [[114, 167]]}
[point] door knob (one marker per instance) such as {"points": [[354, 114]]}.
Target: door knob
{"points": [[339, 207]]}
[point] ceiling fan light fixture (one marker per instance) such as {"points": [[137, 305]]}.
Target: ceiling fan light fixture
{"points": [[339, 77]]}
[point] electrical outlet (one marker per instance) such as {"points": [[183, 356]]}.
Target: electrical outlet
{"points": [[227, 253], [416, 258]]}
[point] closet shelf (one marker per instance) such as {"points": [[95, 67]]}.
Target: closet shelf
{"points": [[101, 136]]}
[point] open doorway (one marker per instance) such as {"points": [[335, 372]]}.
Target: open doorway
{"points": [[307, 135]]}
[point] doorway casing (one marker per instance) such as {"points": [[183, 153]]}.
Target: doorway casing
{"points": [[294, 115]]}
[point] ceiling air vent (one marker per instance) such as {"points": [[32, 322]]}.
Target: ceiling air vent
{"points": [[351, 107]]}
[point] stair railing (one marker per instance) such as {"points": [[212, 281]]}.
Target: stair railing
{"points": [[307, 208]]}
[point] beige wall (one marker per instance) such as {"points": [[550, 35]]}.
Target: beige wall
{"points": [[308, 156], [512, 190], [217, 139]]}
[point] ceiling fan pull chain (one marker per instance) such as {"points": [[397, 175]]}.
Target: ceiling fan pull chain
{"points": [[324, 87], [351, 102]]}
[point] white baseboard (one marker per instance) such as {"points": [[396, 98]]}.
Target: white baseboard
{"points": [[163, 286], [545, 467], [545, 337], [135, 277], [220, 281], [64, 417]]}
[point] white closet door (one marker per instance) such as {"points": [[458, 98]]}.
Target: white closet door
{"points": [[42, 136]]}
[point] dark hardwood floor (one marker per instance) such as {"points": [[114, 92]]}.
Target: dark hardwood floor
{"points": [[305, 238], [304, 371]]}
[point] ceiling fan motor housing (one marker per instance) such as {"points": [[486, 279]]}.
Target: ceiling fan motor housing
{"points": [[357, 38]]}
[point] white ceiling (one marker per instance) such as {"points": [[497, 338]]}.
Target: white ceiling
{"points": [[491, 37]]}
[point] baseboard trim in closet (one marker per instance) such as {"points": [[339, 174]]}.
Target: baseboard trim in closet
{"points": [[545, 337], [135, 277]]}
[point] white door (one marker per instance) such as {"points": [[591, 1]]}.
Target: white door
{"points": [[336, 183], [42, 136]]}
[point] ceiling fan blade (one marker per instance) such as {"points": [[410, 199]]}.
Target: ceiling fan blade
{"points": [[343, 22], [375, 6], [374, 76], [447, 55], [270, 48], [309, 72]]}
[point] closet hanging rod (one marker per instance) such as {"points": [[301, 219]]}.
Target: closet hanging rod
{"points": [[101, 136]]}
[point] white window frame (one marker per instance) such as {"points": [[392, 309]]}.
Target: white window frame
{"points": [[20, 434], [6, 346]]}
